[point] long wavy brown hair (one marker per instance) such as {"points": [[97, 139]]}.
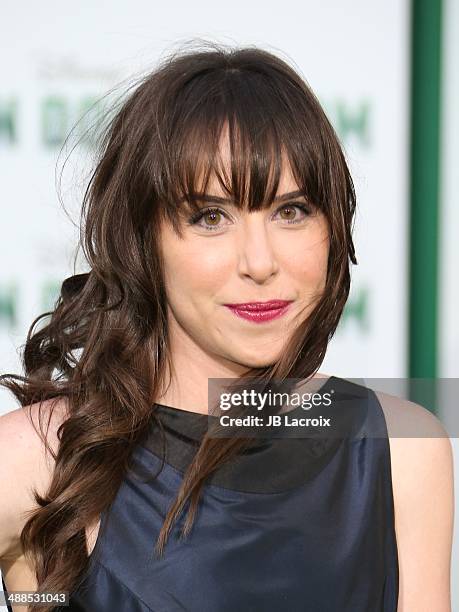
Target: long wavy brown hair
{"points": [[104, 348]]}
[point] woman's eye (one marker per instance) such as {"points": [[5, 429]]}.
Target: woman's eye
{"points": [[212, 216], [290, 213]]}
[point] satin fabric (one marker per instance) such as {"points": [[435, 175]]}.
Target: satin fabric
{"points": [[321, 540]]}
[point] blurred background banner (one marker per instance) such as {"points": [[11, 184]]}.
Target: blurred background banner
{"points": [[387, 76]]}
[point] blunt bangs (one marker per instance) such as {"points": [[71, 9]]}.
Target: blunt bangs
{"points": [[266, 122]]}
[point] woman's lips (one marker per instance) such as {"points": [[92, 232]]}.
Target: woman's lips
{"points": [[260, 312]]}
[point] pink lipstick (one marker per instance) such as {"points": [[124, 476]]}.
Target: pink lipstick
{"points": [[260, 312]]}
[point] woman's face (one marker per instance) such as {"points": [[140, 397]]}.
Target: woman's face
{"points": [[231, 256]]}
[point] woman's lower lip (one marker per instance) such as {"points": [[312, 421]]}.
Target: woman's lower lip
{"points": [[260, 316]]}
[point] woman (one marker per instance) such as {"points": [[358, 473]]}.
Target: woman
{"points": [[220, 183]]}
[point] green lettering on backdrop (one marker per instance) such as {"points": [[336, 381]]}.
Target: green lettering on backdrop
{"points": [[8, 121], [351, 122], [357, 308], [55, 120], [62, 117], [8, 305], [354, 122]]}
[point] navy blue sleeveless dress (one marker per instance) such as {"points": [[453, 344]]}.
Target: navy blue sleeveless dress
{"points": [[291, 525]]}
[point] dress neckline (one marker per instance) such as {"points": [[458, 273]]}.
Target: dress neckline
{"points": [[272, 464]]}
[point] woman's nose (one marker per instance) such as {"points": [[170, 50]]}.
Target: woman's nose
{"points": [[257, 256]]}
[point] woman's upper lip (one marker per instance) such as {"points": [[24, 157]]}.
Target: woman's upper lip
{"points": [[269, 305]]}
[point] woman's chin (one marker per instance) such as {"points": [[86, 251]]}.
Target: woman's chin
{"points": [[256, 361]]}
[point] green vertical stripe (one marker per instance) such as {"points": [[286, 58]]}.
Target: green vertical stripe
{"points": [[424, 172]]}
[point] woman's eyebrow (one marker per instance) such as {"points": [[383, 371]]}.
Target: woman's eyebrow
{"points": [[204, 197]]}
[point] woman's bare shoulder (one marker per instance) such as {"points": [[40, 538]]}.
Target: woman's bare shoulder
{"points": [[422, 480], [25, 464], [407, 419], [417, 437]]}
